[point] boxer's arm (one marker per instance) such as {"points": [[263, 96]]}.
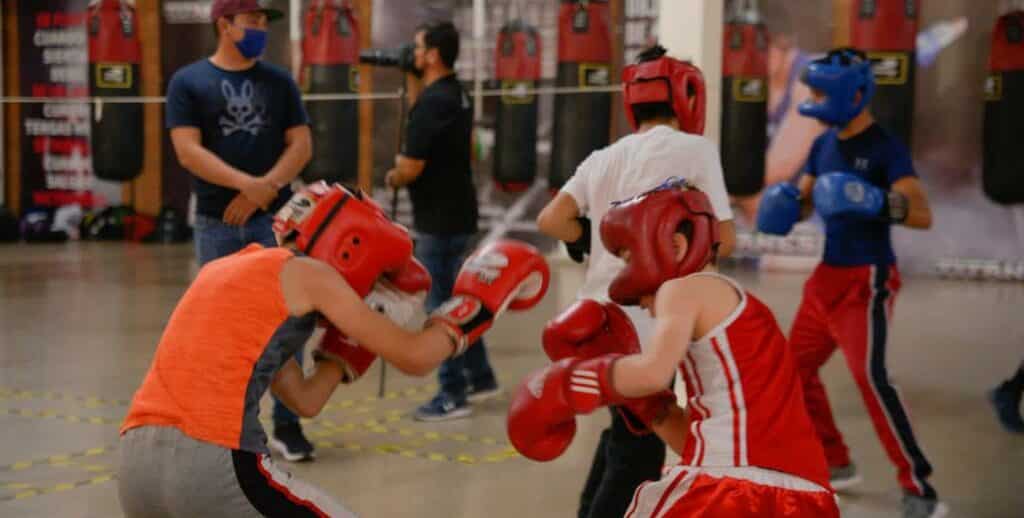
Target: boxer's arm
{"points": [[559, 218], [675, 312], [306, 396], [673, 428], [919, 212], [710, 178], [311, 285], [726, 238], [788, 150]]}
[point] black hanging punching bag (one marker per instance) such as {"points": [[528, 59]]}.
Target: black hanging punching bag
{"points": [[584, 60], [744, 107], [517, 67], [114, 57], [1003, 154], [330, 52], [887, 31]]}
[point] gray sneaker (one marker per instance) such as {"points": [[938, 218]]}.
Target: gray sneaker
{"points": [[844, 477], [920, 507]]}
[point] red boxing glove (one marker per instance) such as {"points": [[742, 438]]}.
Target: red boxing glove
{"points": [[413, 278], [400, 295], [500, 275], [639, 413], [541, 423], [353, 358], [588, 329], [541, 419]]}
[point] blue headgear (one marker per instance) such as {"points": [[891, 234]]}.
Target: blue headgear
{"points": [[839, 75]]}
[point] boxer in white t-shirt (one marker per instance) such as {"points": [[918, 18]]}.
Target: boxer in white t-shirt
{"points": [[664, 101]]}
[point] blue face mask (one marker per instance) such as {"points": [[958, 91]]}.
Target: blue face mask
{"points": [[253, 43]]}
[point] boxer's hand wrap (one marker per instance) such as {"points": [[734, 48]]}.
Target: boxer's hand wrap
{"points": [[579, 249], [465, 319], [896, 208]]}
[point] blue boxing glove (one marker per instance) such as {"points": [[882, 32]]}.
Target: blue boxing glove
{"points": [[779, 209], [844, 194]]}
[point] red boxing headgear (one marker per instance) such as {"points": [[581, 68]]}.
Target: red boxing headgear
{"points": [[667, 80], [347, 231], [644, 225]]}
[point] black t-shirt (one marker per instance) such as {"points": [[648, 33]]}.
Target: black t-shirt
{"points": [[242, 117], [439, 132]]}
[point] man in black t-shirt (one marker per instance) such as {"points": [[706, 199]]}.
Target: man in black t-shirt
{"points": [[434, 165]]}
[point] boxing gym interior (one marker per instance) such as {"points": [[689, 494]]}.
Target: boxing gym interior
{"points": [[99, 223]]}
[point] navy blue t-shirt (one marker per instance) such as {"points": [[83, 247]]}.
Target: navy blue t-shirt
{"points": [[242, 115], [881, 160]]}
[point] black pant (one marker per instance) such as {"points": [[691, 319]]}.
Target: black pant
{"points": [[621, 463]]}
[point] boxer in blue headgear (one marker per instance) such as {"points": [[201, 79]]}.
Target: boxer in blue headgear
{"points": [[861, 180]]}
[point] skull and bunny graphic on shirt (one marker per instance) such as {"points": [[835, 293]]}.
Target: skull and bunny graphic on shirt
{"points": [[246, 109]]}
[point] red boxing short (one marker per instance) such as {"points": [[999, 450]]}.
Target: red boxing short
{"points": [[749, 492]]}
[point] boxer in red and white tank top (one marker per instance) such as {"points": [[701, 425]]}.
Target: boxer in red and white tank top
{"points": [[748, 427], [745, 397], [747, 444]]}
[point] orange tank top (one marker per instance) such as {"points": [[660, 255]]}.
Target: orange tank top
{"points": [[230, 333]]}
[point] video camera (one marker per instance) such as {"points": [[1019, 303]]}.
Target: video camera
{"points": [[403, 58]]}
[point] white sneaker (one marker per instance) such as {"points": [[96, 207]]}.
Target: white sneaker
{"points": [[484, 394], [919, 507], [844, 477]]}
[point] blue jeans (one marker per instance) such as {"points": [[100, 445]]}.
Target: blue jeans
{"points": [[215, 239], [443, 256]]}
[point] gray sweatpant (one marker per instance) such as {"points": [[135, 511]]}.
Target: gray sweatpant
{"points": [[166, 474]]}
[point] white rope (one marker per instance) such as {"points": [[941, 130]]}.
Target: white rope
{"points": [[374, 96], [512, 219]]}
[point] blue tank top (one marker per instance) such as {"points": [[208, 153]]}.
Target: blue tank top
{"points": [[881, 160]]}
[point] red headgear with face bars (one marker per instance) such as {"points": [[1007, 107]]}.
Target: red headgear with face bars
{"points": [[644, 225], [347, 231], [667, 80]]}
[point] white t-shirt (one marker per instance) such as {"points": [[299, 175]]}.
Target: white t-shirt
{"points": [[634, 164]]}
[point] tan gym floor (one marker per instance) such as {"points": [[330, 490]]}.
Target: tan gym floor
{"points": [[79, 322]]}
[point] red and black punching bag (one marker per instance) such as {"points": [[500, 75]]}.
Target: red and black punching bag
{"points": [[582, 120], [517, 68], [1003, 154], [114, 57], [744, 106], [330, 52], [887, 31]]}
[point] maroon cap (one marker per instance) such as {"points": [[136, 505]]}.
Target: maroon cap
{"points": [[232, 7]]}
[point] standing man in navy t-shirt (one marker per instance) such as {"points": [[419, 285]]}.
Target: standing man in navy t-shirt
{"points": [[239, 126], [861, 181]]}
